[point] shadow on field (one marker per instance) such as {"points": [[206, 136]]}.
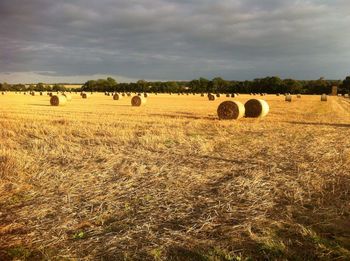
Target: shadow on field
{"points": [[340, 125], [42, 105], [181, 115]]}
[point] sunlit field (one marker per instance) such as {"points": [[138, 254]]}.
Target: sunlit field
{"points": [[98, 179]]}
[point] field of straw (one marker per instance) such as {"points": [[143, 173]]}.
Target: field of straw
{"points": [[98, 179]]}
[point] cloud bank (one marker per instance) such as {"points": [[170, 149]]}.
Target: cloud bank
{"points": [[173, 40]]}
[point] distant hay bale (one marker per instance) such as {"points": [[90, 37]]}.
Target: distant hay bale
{"points": [[231, 110], [277, 94], [346, 95], [68, 96], [41, 93], [298, 96], [324, 97], [233, 95], [3, 93], [227, 95], [123, 94], [256, 108], [58, 100], [145, 95], [84, 95], [32, 93], [218, 95], [139, 94], [116, 96], [138, 100], [211, 97], [128, 94], [202, 94], [288, 98]]}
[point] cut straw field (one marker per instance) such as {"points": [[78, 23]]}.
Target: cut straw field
{"points": [[98, 179]]}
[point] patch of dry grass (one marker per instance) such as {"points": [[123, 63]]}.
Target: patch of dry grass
{"points": [[101, 180]]}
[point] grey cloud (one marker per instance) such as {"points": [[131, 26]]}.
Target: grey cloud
{"points": [[166, 39]]}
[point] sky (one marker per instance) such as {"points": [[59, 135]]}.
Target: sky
{"points": [[77, 40]]}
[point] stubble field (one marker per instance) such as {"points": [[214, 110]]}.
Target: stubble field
{"points": [[98, 179]]}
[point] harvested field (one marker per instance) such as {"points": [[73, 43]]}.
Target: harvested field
{"points": [[100, 180]]}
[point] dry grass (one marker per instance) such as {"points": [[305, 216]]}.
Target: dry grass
{"points": [[99, 180]]}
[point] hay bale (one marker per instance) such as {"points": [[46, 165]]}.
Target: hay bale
{"points": [[202, 94], [211, 97], [298, 96], [256, 108], [346, 95], [233, 95], [32, 93], [227, 95], [68, 96], [58, 100], [138, 100], [128, 94], [231, 110], [324, 97], [3, 93], [288, 98], [123, 94], [116, 96], [145, 95], [84, 95], [218, 95]]}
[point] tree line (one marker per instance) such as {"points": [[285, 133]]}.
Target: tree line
{"points": [[202, 85]]}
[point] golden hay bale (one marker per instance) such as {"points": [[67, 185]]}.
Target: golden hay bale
{"points": [[32, 93], [128, 94], [256, 108], [57, 100], [211, 97], [231, 110], [346, 95], [3, 93], [227, 95], [218, 95], [233, 95], [288, 98], [202, 94], [138, 100], [298, 96], [145, 95], [324, 97], [68, 96], [123, 94], [116, 96], [84, 95]]}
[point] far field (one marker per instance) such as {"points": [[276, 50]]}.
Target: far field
{"points": [[98, 179]]}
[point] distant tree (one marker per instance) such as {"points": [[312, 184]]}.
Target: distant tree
{"points": [[346, 84]]}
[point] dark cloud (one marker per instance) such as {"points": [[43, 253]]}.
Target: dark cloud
{"points": [[168, 39]]}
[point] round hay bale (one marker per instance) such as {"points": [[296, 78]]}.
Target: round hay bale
{"points": [[41, 93], [3, 93], [231, 110], [346, 95], [218, 95], [32, 93], [298, 96], [138, 101], [68, 96], [324, 97], [288, 98], [227, 95], [58, 100], [277, 94], [202, 94], [211, 97], [123, 94], [84, 95], [116, 96], [256, 108], [128, 94], [145, 95], [233, 95]]}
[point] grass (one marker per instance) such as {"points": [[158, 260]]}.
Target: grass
{"points": [[98, 179]]}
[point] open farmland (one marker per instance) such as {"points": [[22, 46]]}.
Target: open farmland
{"points": [[97, 179]]}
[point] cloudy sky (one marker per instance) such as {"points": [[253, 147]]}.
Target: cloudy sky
{"points": [[77, 40]]}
